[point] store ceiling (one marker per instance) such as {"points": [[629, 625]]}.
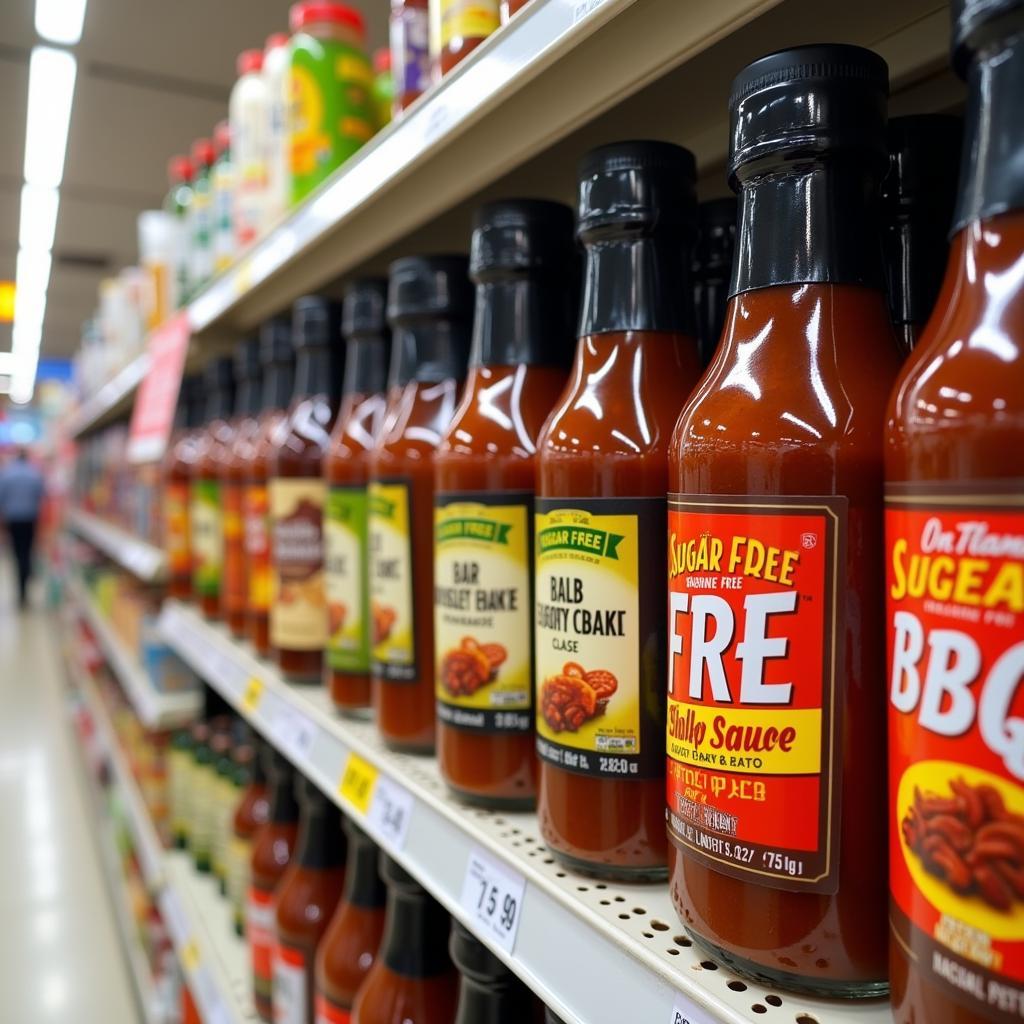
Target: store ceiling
{"points": [[152, 76]]}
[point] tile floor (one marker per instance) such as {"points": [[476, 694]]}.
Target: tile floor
{"points": [[60, 954]]}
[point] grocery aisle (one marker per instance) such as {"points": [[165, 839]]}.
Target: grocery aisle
{"points": [[60, 956]]}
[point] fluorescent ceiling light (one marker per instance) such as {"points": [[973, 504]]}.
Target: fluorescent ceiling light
{"points": [[26, 338], [23, 376], [38, 217], [51, 88], [32, 274], [60, 21]]}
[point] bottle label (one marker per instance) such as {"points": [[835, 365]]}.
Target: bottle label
{"points": [[468, 19], [348, 595], [410, 50], [234, 588], [176, 528], [259, 928], [392, 625], [754, 683], [600, 635], [483, 610], [291, 985], [328, 1012], [298, 611], [955, 625], [178, 762], [331, 108], [256, 515], [239, 869], [201, 834], [207, 525]]}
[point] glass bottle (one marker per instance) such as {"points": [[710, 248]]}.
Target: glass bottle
{"points": [[200, 781], [347, 467], [177, 203], [600, 516], [350, 944], [413, 979], [298, 492], [712, 265], [200, 216], [429, 309], [522, 262], [304, 902], [223, 795], [177, 473], [775, 669], [272, 851], [489, 993], [234, 594], [206, 510], [251, 813], [179, 767], [410, 51], [458, 27], [918, 195], [277, 357], [954, 525]]}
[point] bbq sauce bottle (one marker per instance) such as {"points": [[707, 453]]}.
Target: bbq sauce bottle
{"points": [[954, 524], [489, 993], [177, 474], [775, 531], [347, 469], [522, 263], [600, 516], [430, 304]]}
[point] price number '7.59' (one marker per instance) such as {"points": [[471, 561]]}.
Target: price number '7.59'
{"points": [[492, 895]]}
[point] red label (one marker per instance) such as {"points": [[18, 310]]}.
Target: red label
{"points": [[234, 584], [259, 929], [754, 682], [256, 529], [955, 631], [153, 411], [176, 528], [330, 1013]]}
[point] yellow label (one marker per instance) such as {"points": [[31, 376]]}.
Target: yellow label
{"points": [[357, 782], [393, 636], [482, 611], [298, 610], [190, 956], [179, 763], [468, 19], [251, 696], [587, 640], [239, 870]]}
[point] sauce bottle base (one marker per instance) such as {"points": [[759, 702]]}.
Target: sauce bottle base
{"points": [[611, 872], [825, 987], [493, 803]]}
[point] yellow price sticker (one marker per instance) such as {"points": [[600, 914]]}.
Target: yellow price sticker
{"points": [[190, 956], [357, 782], [251, 696]]}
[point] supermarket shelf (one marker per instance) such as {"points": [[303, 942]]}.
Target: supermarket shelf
{"points": [[156, 710], [213, 957], [141, 559], [112, 400], [147, 843], [640, 965]]}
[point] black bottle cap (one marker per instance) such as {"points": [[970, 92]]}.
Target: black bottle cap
{"points": [[315, 322], [247, 359], [429, 287], [474, 959], [219, 374], [397, 877], [521, 235], [979, 23], [550, 1017], [363, 307], [276, 341], [796, 104], [924, 154], [637, 186], [716, 235]]}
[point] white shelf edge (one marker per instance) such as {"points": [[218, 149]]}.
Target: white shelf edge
{"points": [[155, 710], [139, 557], [107, 400], [628, 975], [213, 958]]}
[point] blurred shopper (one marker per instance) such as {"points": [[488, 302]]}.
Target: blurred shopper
{"points": [[21, 495]]}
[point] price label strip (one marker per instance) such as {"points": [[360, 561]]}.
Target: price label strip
{"points": [[390, 811], [251, 696], [358, 782], [492, 896], [294, 733]]}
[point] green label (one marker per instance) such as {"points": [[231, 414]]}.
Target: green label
{"points": [[348, 594], [206, 523], [331, 104], [578, 538], [483, 530], [391, 581]]}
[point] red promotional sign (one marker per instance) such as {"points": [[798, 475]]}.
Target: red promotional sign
{"points": [[157, 398]]}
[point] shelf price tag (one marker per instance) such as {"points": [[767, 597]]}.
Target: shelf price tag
{"points": [[492, 895], [190, 956], [390, 811], [293, 733], [684, 1012], [358, 782], [252, 694]]}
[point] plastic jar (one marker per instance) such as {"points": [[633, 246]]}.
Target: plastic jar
{"points": [[330, 82], [249, 116], [410, 51]]}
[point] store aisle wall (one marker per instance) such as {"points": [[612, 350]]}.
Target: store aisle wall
{"points": [[60, 956]]}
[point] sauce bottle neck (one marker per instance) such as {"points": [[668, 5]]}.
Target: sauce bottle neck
{"points": [[428, 351], [416, 935], [363, 885], [247, 404], [218, 406], [278, 386], [639, 283], [492, 1003], [991, 174], [321, 843], [315, 373], [814, 225], [365, 365], [520, 321], [284, 808]]}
